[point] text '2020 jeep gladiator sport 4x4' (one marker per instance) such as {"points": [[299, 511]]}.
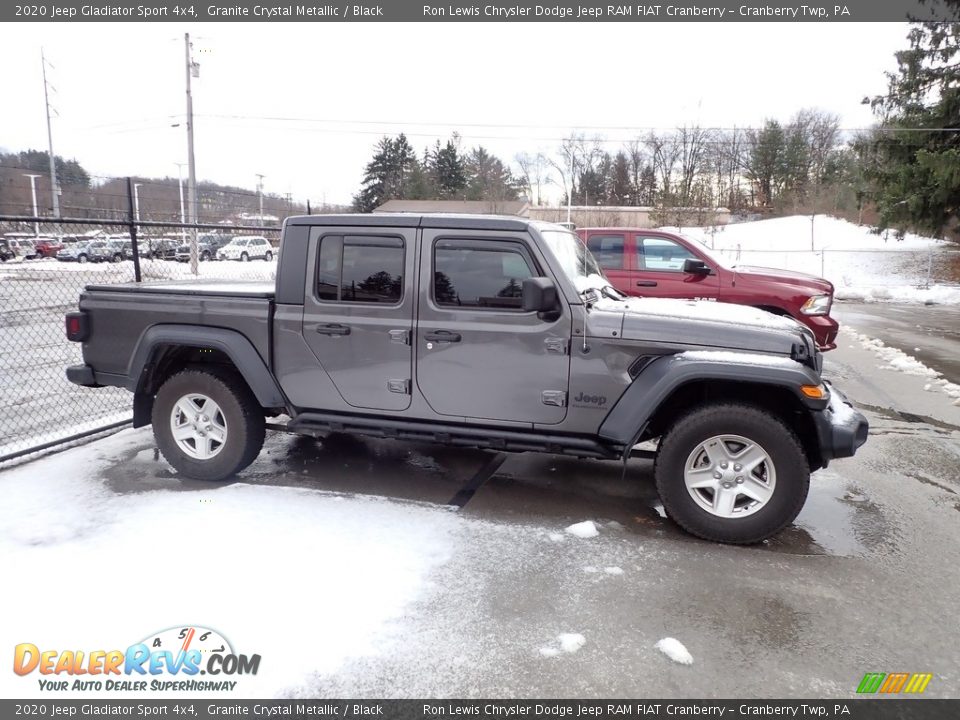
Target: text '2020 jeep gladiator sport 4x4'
{"points": [[475, 331]]}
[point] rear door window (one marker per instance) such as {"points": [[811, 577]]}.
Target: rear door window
{"points": [[608, 250], [365, 269]]}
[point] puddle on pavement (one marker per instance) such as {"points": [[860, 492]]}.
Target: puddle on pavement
{"points": [[841, 519]]}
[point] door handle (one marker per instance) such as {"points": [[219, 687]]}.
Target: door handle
{"points": [[646, 283], [442, 336], [333, 329]]}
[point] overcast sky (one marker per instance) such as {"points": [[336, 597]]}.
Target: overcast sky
{"points": [[305, 103]]}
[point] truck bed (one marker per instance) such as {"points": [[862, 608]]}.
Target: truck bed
{"points": [[121, 314], [220, 288]]}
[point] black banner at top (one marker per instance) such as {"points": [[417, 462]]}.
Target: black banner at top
{"points": [[720, 11]]}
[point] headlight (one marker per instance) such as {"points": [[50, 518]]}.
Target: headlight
{"points": [[817, 305]]}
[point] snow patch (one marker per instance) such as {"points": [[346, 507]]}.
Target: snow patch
{"points": [[585, 529], [613, 571], [571, 642], [674, 649], [728, 356]]}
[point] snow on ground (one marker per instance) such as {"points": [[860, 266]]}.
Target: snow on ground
{"points": [[568, 642], [585, 529], [674, 649], [99, 570], [861, 264], [899, 361]]}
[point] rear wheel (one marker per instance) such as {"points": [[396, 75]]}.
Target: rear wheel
{"points": [[81, 258], [117, 257], [731, 473], [205, 256], [269, 256], [207, 424]]}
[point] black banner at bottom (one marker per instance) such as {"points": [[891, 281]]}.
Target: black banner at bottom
{"points": [[859, 709]]}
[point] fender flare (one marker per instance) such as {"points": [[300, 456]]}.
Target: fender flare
{"points": [[230, 342], [645, 395]]}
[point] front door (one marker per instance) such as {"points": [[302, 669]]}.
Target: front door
{"points": [[659, 273], [479, 355], [358, 315]]}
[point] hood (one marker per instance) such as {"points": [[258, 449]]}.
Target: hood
{"points": [[696, 324], [783, 276]]}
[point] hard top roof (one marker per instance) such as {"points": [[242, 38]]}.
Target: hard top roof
{"points": [[424, 220]]}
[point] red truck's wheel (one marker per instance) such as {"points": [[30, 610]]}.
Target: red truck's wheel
{"points": [[207, 424], [731, 473]]}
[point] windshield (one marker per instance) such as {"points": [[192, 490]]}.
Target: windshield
{"points": [[576, 261]]}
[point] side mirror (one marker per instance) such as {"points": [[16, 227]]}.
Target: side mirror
{"points": [[696, 267], [539, 295]]}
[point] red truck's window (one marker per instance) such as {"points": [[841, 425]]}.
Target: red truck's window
{"points": [[662, 254], [608, 250]]}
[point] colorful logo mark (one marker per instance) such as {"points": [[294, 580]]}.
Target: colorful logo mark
{"points": [[892, 683]]}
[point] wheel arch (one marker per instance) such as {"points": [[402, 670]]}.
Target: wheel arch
{"points": [[164, 350], [670, 387]]}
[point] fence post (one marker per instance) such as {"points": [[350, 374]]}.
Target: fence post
{"points": [[135, 248]]}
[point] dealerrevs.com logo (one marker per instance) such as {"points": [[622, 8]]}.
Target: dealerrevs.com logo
{"points": [[170, 660]]}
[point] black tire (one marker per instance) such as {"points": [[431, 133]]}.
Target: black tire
{"points": [[244, 257], [204, 256], [243, 417], [117, 257], [767, 430], [82, 258], [269, 256]]}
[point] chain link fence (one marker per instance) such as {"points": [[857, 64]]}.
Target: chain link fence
{"points": [[45, 265]]}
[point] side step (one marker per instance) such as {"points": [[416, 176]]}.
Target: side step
{"points": [[463, 435]]}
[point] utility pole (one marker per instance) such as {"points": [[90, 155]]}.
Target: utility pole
{"points": [[183, 232], [260, 178], [54, 185], [33, 191], [193, 70], [136, 204]]}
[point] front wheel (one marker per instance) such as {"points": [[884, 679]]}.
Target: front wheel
{"points": [[731, 473], [82, 259], [207, 424], [269, 256], [244, 257]]}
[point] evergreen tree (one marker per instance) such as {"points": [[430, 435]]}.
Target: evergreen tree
{"points": [[488, 178], [916, 178], [389, 174], [621, 189], [448, 171]]}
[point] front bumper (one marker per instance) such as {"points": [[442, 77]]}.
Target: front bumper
{"points": [[825, 330], [841, 429]]}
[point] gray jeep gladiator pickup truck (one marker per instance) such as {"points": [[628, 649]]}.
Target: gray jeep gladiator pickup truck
{"points": [[476, 331]]}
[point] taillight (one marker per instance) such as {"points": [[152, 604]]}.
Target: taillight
{"points": [[78, 326]]}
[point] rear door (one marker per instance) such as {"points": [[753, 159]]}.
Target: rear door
{"points": [[610, 250], [659, 272], [479, 355], [358, 314]]}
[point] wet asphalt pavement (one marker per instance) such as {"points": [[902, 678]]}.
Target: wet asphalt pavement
{"points": [[866, 580], [930, 333]]}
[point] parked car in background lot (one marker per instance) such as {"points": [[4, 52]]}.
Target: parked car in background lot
{"points": [[80, 251], [246, 247], [22, 248], [653, 263], [112, 250], [160, 248], [6, 252], [207, 247], [48, 247]]}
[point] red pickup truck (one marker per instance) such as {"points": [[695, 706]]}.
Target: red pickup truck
{"points": [[653, 263]]}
